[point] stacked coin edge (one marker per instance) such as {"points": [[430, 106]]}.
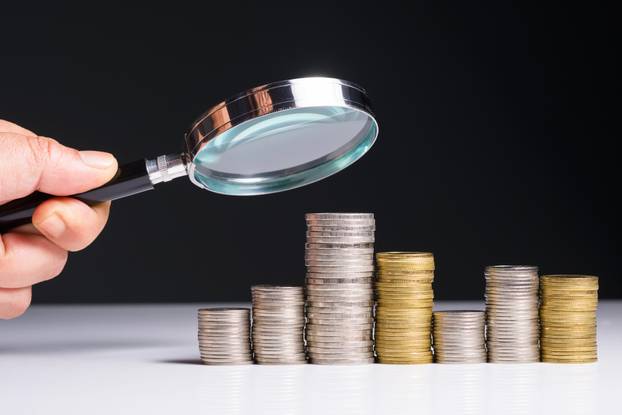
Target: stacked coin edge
{"points": [[224, 336], [568, 318], [458, 336], [512, 326], [335, 319], [278, 324], [405, 300], [339, 293]]}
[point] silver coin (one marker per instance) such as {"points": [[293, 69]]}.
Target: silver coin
{"points": [[336, 246], [341, 224], [278, 324], [339, 275], [339, 233], [342, 252], [512, 313], [337, 316], [341, 288], [338, 260], [338, 215], [339, 291], [324, 281]]}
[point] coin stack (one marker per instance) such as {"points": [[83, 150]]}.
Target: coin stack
{"points": [[568, 318], [458, 337], [404, 307], [224, 336], [278, 324], [512, 313], [339, 256]]}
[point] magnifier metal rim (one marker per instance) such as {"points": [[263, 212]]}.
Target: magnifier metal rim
{"points": [[268, 99]]}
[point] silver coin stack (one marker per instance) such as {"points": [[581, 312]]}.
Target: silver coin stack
{"points": [[512, 313], [459, 337], [278, 324], [339, 256], [224, 336]]}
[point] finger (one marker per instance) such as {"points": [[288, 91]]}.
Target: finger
{"points": [[9, 127], [27, 259], [40, 163], [70, 223], [14, 301]]}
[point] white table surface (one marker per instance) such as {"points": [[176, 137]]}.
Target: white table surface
{"points": [[139, 359]]}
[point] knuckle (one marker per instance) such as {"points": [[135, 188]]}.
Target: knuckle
{"points": [[43, 150]]}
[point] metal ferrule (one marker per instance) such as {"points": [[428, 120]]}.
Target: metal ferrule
{"points": [[166, 168]]}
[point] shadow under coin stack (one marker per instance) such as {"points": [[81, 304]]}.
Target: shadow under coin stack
{"points": [[512, 314], [278, 324], [458, 337], [340, 264], [404, 307], [224, 336], [568, 318]]}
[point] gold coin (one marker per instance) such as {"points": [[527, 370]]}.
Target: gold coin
{"points": [[564, 314], [569, 280], [403, 290], [575, 360], [405, 255], [404, 336], [382, 321], [397, 355], [390, 355], [407, 277], [422, 338], [406, 285], [407, 303], [396, 301], [404, 265], [423, 353]]}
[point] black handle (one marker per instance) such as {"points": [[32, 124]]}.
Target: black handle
{"points": [[130, 179]]}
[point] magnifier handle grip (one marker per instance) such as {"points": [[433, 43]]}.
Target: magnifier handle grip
{"points": [[131, 178]]}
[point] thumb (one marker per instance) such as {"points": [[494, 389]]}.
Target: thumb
{"points": [[29, 163]]}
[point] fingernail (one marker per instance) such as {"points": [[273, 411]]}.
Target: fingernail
{"points": [[97, 159], [52, 226]]}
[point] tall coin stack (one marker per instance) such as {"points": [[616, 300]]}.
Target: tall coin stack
{"points": [[278, 324], [512, 313], [458, 337], [404, 307], [339, 256], [568, 318], [224, 336]]}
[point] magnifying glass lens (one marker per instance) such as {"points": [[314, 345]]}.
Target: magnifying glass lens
{"points": [[284, 150]]}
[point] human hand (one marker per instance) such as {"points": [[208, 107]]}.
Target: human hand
{"points": [[33, 253]]}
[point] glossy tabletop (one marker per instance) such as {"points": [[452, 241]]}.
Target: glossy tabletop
{"points": [[135, 359]]}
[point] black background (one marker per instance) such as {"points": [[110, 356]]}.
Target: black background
{"points": [[497, 140]]}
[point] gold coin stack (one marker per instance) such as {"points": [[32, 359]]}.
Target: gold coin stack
{"points": [[404, 307], [568, 318]]}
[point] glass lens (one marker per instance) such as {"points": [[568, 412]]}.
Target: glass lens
{"points": [[284, 150]]}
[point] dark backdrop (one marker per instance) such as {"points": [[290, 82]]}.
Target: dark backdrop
{"points": [[496, 144]]}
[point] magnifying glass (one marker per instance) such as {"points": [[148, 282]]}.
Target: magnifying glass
{"points": [[268, 139]]}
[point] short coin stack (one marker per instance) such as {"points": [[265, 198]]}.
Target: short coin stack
{"points": [[404, 307], [568, 318], [512, 313], [278, 324], [458, 337], [224, 336], [339, 256]]}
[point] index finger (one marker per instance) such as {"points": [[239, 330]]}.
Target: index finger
{"points": [[9, 127]]}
